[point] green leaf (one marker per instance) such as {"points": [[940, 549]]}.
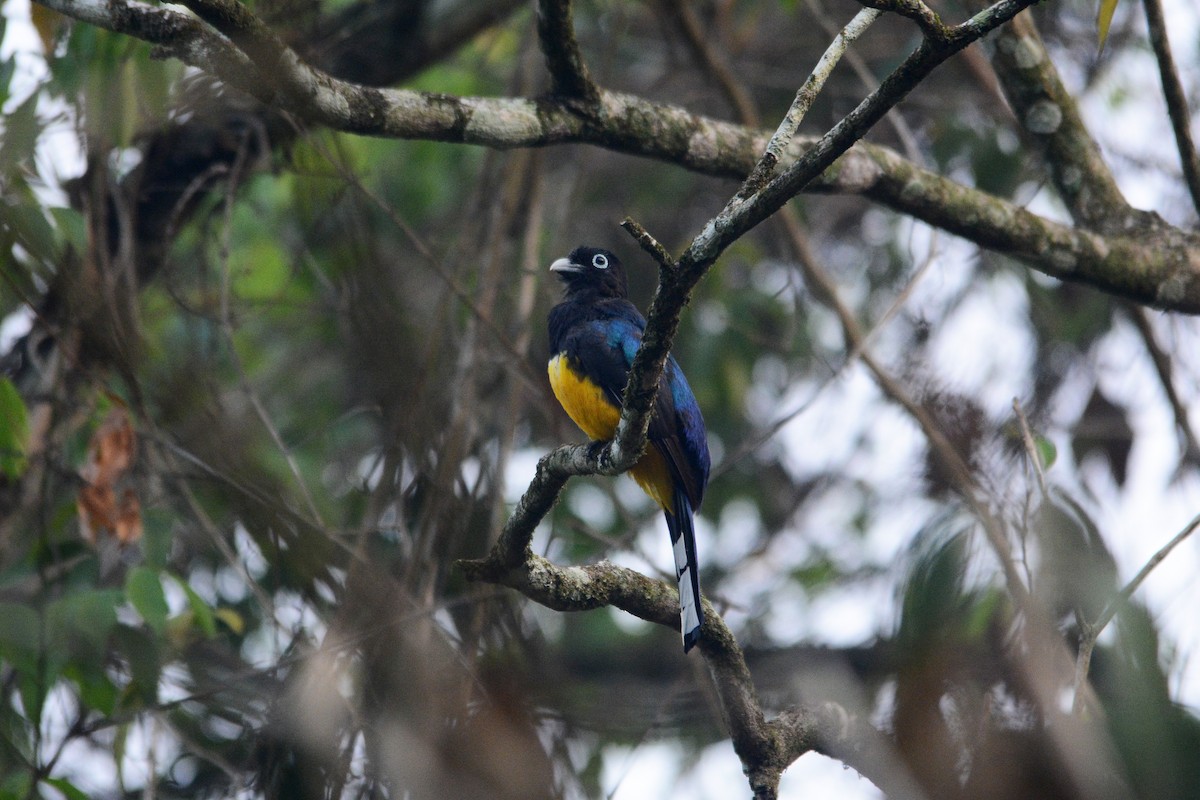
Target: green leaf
{"points": [[202, 613], [1047, 452], [72, 228], [145, 592], [14, 430], [96, 689], [69, 790], [16, 784], [1104, 18], [142, 653], [28, 227], [21, 130], [33, 689], [20, 636], [79, 624], [157, 536]]}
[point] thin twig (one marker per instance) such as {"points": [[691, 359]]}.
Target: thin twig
{"points": [[1123, 596], [714, 62], [1089, 632], [235, 176], [422, 248], [1031, 449], [804, 99], [867, 78], [1162, 367], [648, 243]]}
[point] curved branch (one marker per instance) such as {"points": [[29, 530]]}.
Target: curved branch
{"points": [[925, 17], [765, 747]]}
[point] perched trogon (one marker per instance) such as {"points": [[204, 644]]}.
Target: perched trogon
{"points": [[594, 333]]}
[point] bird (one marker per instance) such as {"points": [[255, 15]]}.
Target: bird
{"points": [[595, 331]]}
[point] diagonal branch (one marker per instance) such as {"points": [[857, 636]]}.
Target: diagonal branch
{"points": [[1051, 122], [712, 61], [1090, 630], [1177, 107], [1162, 367], [778, 145], [739, 217], [556, 36], [744, 212]]}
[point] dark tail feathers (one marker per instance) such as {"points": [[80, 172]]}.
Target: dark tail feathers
{"points": [[683, 543]]}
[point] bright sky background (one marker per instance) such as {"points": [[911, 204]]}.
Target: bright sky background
{"points": [[1128, 116]]}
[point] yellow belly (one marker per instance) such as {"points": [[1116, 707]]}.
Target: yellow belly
{"points": [[589, 406]]}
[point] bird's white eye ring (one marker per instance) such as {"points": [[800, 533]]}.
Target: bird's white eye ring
{"points": [[600, 261]]}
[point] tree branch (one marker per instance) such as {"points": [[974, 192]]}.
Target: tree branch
{"points": [[1090, 630], [926, 18], [803, 101], [1162, 367], [556, 36], [1051, 122], [1160, 268], [765, 749], [712, 61], [1177, 107], [743, 214]]}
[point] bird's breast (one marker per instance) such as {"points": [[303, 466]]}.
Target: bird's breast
{"points": [[591, 409], [583, 400]]}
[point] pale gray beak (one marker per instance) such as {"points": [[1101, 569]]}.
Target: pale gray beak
{"points": [[565, 265]]}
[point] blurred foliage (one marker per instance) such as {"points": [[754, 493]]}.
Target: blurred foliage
{"points": [[332, 354]]}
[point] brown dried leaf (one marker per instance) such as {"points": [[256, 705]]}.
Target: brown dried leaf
{"points": [[111, 451], [110, 455], [97, 510], [47, 23], [129, 518]]}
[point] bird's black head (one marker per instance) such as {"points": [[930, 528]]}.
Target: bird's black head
{"points": [[592, 270]]}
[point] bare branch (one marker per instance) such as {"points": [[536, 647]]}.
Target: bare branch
{"points": [[739, 217], [765, 752], [803, 101], [925, 17], [556, 36], [648, 243], [1162, 367], [1177, 107], [1050, 120], [766, 747], [713, 61], [1134, 584], [1090, 630], [1031, 451], [245, 30], [871, 82]]}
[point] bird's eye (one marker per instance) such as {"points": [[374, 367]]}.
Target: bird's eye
{"points": [[600, 261]]}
